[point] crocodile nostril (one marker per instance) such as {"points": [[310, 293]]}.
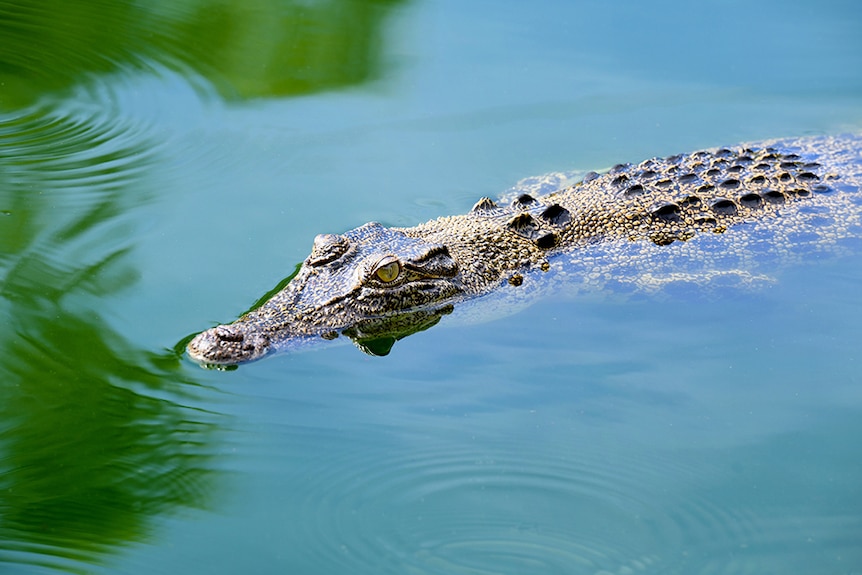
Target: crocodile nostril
{"points": [[228, 333], [228, 345]]}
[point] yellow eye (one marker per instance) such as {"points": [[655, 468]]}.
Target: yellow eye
{"points": [[387, 270]]}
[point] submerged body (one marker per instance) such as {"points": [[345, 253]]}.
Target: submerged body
{"points": [[709, 213]]}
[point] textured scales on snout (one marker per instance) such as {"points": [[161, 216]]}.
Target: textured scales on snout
{"points": [[376, 284]]}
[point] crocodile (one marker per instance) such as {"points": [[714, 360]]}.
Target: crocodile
{"points": [[689, 216]]}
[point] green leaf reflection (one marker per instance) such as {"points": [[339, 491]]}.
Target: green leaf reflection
{"points": [[246, 48], [98, 438]]}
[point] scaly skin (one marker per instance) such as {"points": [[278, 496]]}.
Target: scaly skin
{"points": [[376, 285]]}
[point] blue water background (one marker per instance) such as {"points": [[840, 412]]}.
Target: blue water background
{"points": [[594, 434]]}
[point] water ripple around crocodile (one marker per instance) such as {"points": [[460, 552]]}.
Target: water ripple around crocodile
{"points": [[486, 508]]}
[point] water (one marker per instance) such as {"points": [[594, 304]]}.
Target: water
{"points": [[162, 165]]}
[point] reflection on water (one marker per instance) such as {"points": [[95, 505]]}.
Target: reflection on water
{"points": [[99, 438], [88, 454], [87, 460], [246, 48]]}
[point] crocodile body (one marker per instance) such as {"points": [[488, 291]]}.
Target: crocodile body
{"points": [[709, 212]]}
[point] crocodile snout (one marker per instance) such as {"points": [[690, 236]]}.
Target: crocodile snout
{"points": [[227, 345]]}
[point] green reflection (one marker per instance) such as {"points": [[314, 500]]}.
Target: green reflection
{"points": [[95, 439], [247, 48], [100, 438], [87, 462]]}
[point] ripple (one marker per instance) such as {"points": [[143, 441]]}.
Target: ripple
{"points": [[68, 180], [480, 508], [108, 131], [51, 150]]}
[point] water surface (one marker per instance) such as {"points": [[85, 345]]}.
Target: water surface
{"points": [[164, 164]]}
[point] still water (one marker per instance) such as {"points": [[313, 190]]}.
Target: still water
{"points": [[164, 164]]}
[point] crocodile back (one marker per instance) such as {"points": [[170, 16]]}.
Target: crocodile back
{"points": [[714, 217]]}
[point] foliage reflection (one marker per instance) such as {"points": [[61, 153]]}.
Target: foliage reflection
{"points": [[98, 437], [94, 439], [246, 48]]}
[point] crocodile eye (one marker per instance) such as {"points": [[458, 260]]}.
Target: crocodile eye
{"points": [[388, 269]]}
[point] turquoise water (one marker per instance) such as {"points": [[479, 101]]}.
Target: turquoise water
{"points": [[163, 165]]}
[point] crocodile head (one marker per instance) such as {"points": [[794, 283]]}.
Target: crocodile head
{"points": [[370, 283]]}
